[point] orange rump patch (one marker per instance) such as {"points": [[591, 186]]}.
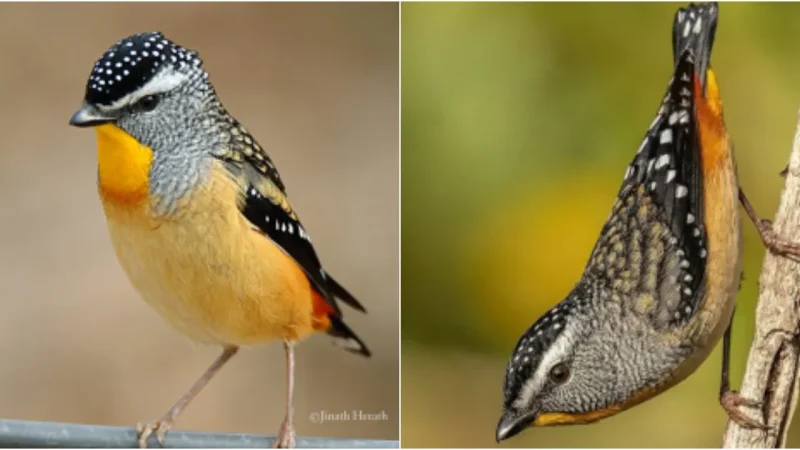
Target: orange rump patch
{"points": [[714, 145]]}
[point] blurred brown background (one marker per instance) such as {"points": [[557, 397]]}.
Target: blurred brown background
{"points": [[317, 84], [518, 122]]}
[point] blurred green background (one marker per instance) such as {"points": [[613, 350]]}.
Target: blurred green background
{"points": [[517, 123]]}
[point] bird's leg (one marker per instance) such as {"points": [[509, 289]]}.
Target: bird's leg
{"points": [[164, 424], [729, 399], [767, 233], [286, 436]]}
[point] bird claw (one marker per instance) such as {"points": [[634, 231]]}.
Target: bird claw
{"points": [[731, 401], [286, 436], [160, 427], [774, 243]]}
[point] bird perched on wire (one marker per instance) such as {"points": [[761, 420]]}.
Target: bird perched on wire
{"points": [[659, 289], [198, 214]]}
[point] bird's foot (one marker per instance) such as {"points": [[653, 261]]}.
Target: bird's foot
{"points": [[160, 427], [286, 436], [731, 401]]}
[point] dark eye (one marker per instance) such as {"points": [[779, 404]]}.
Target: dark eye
{"points": [[559, 374], [148, 103]]}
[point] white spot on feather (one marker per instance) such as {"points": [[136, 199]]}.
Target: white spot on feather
{"points": [[662, 161], [666, 136], [698, 26]]}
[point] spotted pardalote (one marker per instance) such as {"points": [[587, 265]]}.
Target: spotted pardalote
{"points": [[199, 216], [659, 288]]}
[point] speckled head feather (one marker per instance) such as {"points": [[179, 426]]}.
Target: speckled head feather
{"points": [[531, 347], [132, 62]]}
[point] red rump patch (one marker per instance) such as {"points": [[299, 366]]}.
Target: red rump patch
{"points": [[320, 312]]}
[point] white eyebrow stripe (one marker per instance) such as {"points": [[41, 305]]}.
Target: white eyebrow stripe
{"points": [[164, 81], [554, 354]]}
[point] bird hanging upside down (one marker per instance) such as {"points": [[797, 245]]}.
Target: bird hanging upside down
{"points": [[660, 286]]}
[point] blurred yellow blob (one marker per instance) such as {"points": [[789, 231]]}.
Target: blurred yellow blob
{"points": [[526, 257]]}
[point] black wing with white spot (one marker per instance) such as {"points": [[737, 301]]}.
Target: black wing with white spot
{"points": [[652, 251], [265, 205], [287, 232], [668, 162]]}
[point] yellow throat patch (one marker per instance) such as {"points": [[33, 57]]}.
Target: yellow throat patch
{"points": [[123, 165], [556, 418]]}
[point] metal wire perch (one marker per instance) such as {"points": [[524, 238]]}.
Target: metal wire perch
{"points": [[32, 434]]}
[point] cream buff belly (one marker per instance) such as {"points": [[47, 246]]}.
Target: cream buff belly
{"points": [[205, 269]]}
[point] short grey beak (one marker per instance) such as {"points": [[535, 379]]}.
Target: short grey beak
{"points": [[89, 116], [512, 424]]}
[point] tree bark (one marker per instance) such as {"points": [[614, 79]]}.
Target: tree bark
{"points": [[772, 366]]}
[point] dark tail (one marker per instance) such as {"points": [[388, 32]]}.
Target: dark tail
{"points": [[693, 29], [341, 293], [341, 333], [346, 338]]}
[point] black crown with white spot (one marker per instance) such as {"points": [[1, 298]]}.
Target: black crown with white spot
{"points": [[131, 63], [533, 345]]}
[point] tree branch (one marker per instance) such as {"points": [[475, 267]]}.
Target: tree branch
{"points": [[772, 366]]}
